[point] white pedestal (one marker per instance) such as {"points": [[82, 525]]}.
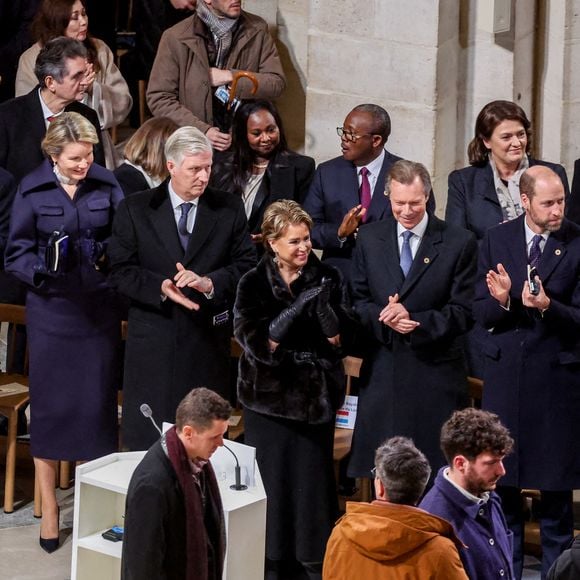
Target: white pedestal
{"points": [[100, 490]]}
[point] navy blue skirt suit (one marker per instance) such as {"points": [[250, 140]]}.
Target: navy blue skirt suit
{"points": [[72, 316]]}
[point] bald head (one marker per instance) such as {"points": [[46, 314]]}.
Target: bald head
{"points": [[542, 193]]}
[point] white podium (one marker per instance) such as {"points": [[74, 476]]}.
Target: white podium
{"points": [[100, 490]]}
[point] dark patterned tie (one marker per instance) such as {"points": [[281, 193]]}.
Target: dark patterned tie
{"points": [[535, 251], [406, 255], [365, 192], [182, 224]]}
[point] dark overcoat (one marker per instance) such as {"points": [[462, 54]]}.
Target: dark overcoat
{"points": [[288, 177], [155, 539], [532, 361], [171, 350], [22, 129], [333, 192], [73, 323], [472, 201], [411, 383]]}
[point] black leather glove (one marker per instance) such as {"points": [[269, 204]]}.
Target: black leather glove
{"points": [[326, 316], [282, 323]]}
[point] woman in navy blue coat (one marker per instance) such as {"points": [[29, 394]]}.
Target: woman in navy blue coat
{"points": [[61, 221], [487, 192]]}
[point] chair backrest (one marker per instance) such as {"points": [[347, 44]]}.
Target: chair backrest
{"points": [[14, 315]]}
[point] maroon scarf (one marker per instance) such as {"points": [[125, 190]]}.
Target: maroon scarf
{"points": [[197, 537]]}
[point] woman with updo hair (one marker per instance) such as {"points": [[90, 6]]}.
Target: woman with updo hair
{"points": [[59, 228], [107, 92], [488, 191], [145, 166], [291, 319]]}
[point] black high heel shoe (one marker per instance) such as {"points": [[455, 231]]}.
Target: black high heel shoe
{"points": [[50, 545]]}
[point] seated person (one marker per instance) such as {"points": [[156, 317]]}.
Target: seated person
{"points": [[174, 525], [474, 443], [390, 538], [201, 54], [144, 166], [259, 167]]}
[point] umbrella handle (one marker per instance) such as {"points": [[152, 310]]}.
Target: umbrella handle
{"points": [[237, 76]]}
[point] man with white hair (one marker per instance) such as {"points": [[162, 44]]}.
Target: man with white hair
{"points": [[177, 251]]}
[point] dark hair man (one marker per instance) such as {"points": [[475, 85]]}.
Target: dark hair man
{"points": [[474, 443], [347, 191], [531, 346], [390, 538], [61, 68], [174, 526]]}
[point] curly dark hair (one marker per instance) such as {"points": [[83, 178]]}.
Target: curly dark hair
{"points": [[470, 432]]}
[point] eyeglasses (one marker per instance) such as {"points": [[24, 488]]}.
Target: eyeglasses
{"points": [[349, 135], [374, 471]]}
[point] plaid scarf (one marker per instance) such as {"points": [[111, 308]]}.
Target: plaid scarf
{"points": [[221, 30]]}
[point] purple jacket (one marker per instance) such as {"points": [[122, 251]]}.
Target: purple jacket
{"points": [[482, 528]]}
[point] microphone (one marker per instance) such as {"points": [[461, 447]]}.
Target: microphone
{"points": [[238, 486], [147, 412]]}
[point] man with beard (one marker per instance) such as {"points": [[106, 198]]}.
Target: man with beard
{"points": [[474, 443], [200, 55], [531, 350]]}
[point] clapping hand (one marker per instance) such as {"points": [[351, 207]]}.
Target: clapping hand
{"points": [[499, 284], [397, 317], [326, 316], [282, 323]]}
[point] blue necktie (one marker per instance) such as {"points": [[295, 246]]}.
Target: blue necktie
{"points": [[182, 224], [406, 255], [535, 251]]}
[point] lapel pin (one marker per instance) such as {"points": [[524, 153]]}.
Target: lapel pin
{"points": [[426, 260], [557, 252]]}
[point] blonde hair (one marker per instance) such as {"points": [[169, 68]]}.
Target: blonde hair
{"points": [[68, 128], [145, 148], [278, 216]]}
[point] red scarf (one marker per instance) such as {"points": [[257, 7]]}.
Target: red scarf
{"points": [[197, 536]]}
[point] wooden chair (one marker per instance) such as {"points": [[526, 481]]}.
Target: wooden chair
{"points": [[11, 404]]}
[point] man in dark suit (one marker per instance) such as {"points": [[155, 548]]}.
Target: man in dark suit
{"points": [[347, 191], [60, 68], [174, 523], [532, 347], [412, 287], [177, 252]]}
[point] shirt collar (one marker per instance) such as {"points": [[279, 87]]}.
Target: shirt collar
{"points": [[530, 233], [46, 112], [472, 498], [418, 230], [176, 201], [374, 166]]}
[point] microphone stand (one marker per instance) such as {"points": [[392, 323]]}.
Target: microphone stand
{"points": [[238, 486]]}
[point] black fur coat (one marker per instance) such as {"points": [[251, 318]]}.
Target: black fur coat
{"points": [[303, 379]]}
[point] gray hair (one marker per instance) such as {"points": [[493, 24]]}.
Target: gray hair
{"points": [[186, 141], [406, 172], [52, 58], [381, 119], [402, 469]]}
